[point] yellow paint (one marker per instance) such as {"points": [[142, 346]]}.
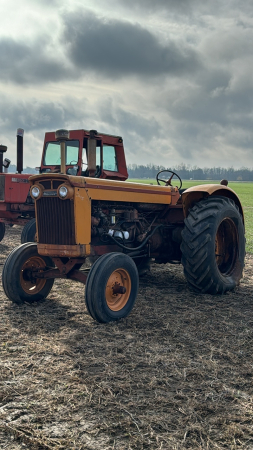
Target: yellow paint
{"points": [[82, 208], [100, 189], [111, 190], [70, 251], [128, 196], [99, 183], [196, 193]]}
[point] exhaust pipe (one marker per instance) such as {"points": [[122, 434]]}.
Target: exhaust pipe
{"points": [[20, 134], [6, 164], [3, 149]]}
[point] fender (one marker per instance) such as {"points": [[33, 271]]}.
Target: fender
{"points": [[194, 194]]}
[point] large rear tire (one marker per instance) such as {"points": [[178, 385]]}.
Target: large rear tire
{"points": [[2, 230], [29, 232], [18, 283], [111, 287], [213, 245]]}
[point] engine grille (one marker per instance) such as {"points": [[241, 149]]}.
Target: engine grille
{"points": [[51, 184], [55, 221]]}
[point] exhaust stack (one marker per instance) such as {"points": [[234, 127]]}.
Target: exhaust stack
{"points": [[3, 149], [20, 135]]}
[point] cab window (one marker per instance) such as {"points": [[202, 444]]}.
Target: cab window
{"points": [[109, 158], [85, 160]]}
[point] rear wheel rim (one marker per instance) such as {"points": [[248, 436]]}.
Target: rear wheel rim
{"points": [[119, 279], [226, 246], [29, 284]]}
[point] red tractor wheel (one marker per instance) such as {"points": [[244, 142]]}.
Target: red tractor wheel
{"points": [[2, 230]]}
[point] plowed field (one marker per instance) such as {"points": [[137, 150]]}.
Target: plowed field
{"points": [[176, 374]]}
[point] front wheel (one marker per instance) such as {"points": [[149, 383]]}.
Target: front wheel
{"points": [[213, 245], [19, 284], [2, 230], [111, 287], [29, 232]]}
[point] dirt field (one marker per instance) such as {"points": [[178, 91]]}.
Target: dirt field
{"points": [[176, 374]]}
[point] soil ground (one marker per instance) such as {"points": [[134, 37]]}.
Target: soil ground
{"points": [[176, 374]]}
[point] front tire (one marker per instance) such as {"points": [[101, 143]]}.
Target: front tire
{"points": [[18, 284], [213, 245], [111, 287], [29, 232], [2, 230]]}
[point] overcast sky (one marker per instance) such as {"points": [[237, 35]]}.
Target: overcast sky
{"points": [[172, 77]]}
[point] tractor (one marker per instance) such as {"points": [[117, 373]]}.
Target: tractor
{"points": [[120, 227], [16, 204]]}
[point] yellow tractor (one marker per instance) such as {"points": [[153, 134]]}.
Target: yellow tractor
{"points": [[121, 227]]}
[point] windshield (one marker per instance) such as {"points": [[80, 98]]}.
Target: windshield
{"points": [[53, 153]]}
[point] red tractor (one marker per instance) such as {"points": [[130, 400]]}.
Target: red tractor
{"points": [[16, 203]]}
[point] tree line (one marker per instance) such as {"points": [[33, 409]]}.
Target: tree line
{"points": [[12, 169], [187, 172]]}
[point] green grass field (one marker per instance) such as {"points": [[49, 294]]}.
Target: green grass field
{"points": [[244, 192]]}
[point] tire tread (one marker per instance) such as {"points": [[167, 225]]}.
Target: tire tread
{"points": [[198, 236]]}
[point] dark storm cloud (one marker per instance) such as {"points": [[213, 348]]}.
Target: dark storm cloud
{"points": [[139, 133], [37, 115], [195, 100], [118, 48], [116, 116], [24, 63], [113, 48], [206, 127], [224, 110]]}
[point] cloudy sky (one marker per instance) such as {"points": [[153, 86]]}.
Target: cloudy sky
{"points": [[172, 77]]}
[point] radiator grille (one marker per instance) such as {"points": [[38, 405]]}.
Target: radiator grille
{"points": [[56, 184], [46, 184], [55, 221], [51, 184], [2, 185]]}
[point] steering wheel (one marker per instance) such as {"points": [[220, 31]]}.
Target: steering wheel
{"points": [[168, 182]]}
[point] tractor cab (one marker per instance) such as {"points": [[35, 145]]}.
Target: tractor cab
{"points": [[84, 153]]}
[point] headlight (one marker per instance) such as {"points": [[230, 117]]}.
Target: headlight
{"points": [[35, 192], [63, 191]]}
